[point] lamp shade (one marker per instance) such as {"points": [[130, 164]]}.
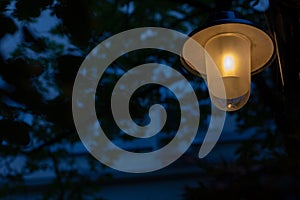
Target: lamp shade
{"points": [[238, 48]]}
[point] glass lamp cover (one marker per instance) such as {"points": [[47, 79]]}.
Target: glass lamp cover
{"points": [[231, 54]]}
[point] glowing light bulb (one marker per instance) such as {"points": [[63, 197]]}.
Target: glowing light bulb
{"points": [[228, 63]]}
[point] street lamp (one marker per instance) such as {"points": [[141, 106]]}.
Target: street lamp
{"points": [[238, 48]]}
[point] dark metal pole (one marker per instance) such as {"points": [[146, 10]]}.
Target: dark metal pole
{"points": [[223, 5], [285, 16]]}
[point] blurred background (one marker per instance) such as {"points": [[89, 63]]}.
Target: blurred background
{"points": [[42, 45]]}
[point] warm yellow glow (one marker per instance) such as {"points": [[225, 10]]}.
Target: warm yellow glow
{"points": [[228, 63]]}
